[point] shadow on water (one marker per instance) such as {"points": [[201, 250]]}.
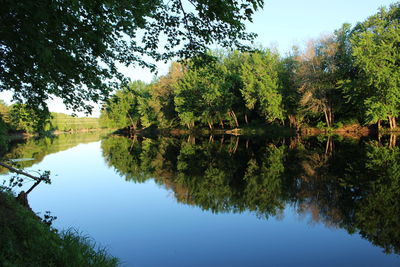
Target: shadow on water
{"points": [[353, 184]]}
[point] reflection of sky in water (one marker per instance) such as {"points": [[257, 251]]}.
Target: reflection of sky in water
{"points": [[143, 224]]}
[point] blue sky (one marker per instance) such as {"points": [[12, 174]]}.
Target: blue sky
{"points": [[282, 24], [288, 22]]}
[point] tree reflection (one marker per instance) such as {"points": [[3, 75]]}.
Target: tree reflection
{"points": [[344, 183], [25, 153]]}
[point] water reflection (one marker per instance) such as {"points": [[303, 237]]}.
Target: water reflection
{"points": [[25, 153], [352, 184]]}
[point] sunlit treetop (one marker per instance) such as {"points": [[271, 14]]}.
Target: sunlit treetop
{"points": [[70, 48]]}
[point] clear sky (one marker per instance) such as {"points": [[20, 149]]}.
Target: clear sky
{"points": [[282, 23], [288, 22]]}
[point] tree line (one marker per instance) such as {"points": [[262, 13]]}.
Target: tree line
{"points": [[350, 76], [23, 118]]}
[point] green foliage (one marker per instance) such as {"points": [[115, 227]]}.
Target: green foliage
{"points": [[203, 95], [318, 78], [148, 116], [71, 49], [4, 126], [163, 94], [377, 54], [27, 241], [260, 80], [209, 94], [124, 107], [287, 71], [27, 119]]}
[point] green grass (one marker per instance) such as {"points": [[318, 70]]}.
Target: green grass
{"points": [[26, 241]]}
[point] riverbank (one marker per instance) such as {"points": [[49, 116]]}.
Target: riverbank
{"points": [[28, 241], [350, 130]]}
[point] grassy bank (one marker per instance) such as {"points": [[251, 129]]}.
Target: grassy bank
{"points": [[27, 241]]}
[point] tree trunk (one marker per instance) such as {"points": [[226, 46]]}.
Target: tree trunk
{"points": [[12, 169], [390, 122], [246, 119], [329, 116], [326, 118], [210, 125], [132, 123], [222, 124], [394, 122], [379, 125]]}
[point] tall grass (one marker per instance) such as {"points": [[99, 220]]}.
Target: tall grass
{"points": [[26, 241]]}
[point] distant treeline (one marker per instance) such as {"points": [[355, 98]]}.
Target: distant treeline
{"points": [[21, 118], [351, 76]]}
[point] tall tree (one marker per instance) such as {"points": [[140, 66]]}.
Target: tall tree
{"points": [[202, 95], [163, 94], [377, 55], [123, 108], [233, 63], [260, 84], [25, 118], [287, 69], [70, 49], [318, 77]]}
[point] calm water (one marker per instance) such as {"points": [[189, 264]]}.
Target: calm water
{"points": [[224, 201]]}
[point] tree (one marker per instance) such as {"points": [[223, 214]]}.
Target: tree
{"points": [[4, 113], [377, 55], [70, 49], [122, 109], [189, 96], [287, 69], [25, 118], [318, 77], [260, 84], [162, 96], [233, 63], [203, 95]]}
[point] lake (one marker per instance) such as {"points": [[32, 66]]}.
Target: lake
{"points": [[223, 200]]}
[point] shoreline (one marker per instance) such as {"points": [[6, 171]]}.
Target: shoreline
{"points": [[351, 131]]}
